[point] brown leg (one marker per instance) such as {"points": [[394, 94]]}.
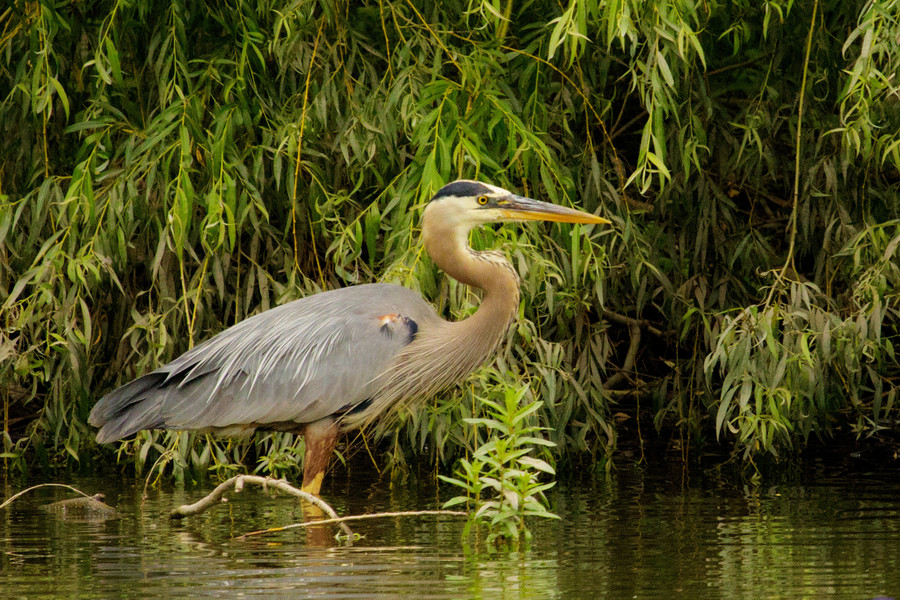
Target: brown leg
{"points": [[321, 437]]}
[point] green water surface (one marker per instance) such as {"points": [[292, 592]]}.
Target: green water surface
{"points": [[632, 536]]}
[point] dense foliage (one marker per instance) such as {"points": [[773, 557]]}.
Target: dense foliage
{"points": [[168, 168]]}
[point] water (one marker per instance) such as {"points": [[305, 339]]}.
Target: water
{"points": [[634, 536]]}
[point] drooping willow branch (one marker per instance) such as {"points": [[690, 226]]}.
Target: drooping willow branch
{"points": [[789, 261], [630, 358]]}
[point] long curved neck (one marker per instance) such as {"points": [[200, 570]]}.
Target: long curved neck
{"points": [[444, 352], [447, 244]]}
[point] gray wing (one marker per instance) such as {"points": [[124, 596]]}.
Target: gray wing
{"points": [[295, 363]]}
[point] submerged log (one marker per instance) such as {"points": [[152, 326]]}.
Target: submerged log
{"points": [[89, 507]]}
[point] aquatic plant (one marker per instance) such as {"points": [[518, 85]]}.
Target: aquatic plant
{"points": [[502, 479]]}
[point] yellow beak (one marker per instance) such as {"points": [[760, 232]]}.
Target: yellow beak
{"points": [[519, 208]]}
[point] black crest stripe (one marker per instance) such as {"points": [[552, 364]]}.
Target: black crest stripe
{"points": [[461, 189]]}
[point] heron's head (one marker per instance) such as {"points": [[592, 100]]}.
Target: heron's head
{"points": [[466, 204]]}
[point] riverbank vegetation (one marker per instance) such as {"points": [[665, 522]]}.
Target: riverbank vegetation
{"points": [[169, 168]]}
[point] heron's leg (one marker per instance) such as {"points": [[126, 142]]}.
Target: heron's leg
{"points": [[321, 437]]}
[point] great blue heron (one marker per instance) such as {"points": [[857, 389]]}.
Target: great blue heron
{"points": [[338, 359]]}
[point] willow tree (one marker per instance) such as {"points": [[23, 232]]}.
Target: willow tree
{"points": [[169, 168]]}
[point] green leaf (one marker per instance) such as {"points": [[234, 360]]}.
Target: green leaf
{"points": [[538, 464]]}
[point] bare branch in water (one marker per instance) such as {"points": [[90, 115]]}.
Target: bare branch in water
{"points": [[238, 481], [34, 487], [384, 515]]}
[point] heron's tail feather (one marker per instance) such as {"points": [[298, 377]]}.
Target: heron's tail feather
{"points": [[129, 409]]}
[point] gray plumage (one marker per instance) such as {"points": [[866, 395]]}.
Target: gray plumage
{"points": [[293, 364], [343, 358]]}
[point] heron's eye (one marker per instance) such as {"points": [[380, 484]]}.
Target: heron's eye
{"points": [[482, 200]]}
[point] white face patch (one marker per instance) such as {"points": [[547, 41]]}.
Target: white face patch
{"points": [[498, 191], [464, 213]]}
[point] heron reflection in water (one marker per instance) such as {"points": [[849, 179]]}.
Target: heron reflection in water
{"points": [[339, 359]]}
